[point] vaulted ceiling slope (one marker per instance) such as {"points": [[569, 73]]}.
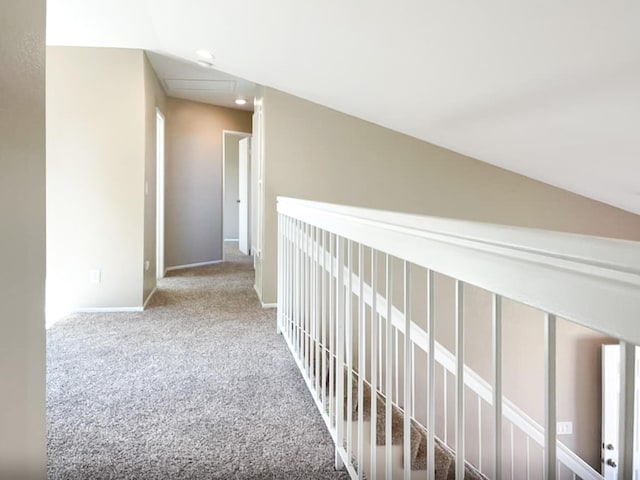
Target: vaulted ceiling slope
{"points": [[544, 88]]}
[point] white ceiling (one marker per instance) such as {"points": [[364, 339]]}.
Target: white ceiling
{"points": [[186, 79], [548, 89]]}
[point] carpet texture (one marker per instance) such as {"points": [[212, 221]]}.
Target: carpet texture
{"points": [[199, 386]]}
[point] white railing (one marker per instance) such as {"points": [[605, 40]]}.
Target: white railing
{"points": [[331, 261]]}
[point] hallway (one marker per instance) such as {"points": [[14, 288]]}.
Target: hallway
{"points": [[199, 386]]}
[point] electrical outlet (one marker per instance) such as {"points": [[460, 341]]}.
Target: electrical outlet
{"points": [[565, 428], [95, 276]]}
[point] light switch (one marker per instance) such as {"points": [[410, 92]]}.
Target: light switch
{"points": [[565, 428], [95, 276]]}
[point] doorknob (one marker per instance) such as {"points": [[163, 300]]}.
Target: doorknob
{"points": [[609, 446], [612, 463]]}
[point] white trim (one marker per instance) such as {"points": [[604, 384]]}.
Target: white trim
{"points": [[600, 277], [191, 265], [231, 239], [224, 187], [144, 305], [160, 193], [447, 360], [264, 305], [107, 310], [236, 132]]}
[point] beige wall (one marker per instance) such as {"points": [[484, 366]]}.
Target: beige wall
{"points": [[193, 212], [316, 153], [96, 172], [578, 359], [154, 98], [22, 241]]}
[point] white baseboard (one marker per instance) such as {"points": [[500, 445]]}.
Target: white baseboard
{"points": [[191, 265], [144, 305], [107, 309], [264, 305]]}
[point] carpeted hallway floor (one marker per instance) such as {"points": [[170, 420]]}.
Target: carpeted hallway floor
{"points": [[199, 386]]}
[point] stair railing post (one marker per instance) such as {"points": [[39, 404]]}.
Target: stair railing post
{"points": [[375, 327], [408, 372], [340, 344], [459, 441], [550, 421], [627, 421]]}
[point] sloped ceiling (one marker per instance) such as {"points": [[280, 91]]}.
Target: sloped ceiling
{"points": [[186, 79], [547, 89]]}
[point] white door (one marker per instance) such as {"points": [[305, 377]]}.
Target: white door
{"points": [[610, 413], [244, 167]]}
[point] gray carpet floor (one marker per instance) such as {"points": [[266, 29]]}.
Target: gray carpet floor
{"points": [[199, 386]]}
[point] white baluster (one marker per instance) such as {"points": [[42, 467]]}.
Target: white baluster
{"points": [[307, 289], [316, 307], [361, 362], [323, 315], [280, 273], [460, 450], [298, 291], [388, 366], [497, 387], [413, 382], [408, 371], [287, 274], [340, 333], [528, 458], [550, 420], [349, 347], [627, 421], [380, 351], [332, 329], [396, 375], [479, 433], [431, 425], [512, 450], [375, 327], [445, 395]]}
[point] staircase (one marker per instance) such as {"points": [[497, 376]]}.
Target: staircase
{"points": [[444, 456]]}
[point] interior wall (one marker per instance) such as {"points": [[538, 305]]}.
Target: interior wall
{"points": [[316, 153], [22, 242], [193, 228], [231, 180], [154, 97], [96, 173]]}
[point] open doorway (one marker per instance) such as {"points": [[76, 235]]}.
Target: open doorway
{"points": [[235, 193], [160, 165]]}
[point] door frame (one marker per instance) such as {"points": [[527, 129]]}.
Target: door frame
{"points": [[160, 193], [234, 133]]}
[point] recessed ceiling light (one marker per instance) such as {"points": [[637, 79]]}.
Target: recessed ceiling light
{"points": [[204, 63], [240, 101], [204, 54]]}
